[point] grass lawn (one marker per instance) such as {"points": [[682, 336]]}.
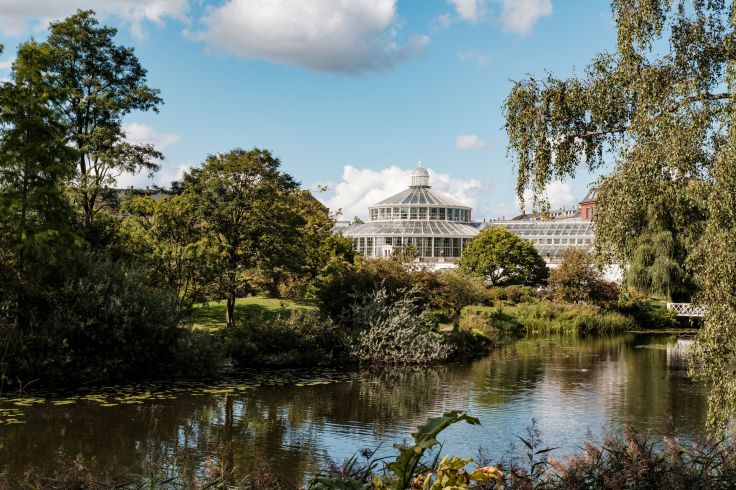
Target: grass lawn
{"points": [[212, 315]]}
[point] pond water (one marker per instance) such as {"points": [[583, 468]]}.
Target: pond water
{"points": [[293, 419]]}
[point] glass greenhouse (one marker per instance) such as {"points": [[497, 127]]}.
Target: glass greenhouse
{"points": [[438, 226]]}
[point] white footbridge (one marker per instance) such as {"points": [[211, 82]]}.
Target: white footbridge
{"points": [[687, 309]]}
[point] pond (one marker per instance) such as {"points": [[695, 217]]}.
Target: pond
{"points": [[292, 419]]}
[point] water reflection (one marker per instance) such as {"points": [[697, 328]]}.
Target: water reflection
{"points": [[569, 384]]}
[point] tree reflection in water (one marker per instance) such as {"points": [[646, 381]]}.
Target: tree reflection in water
{"points": [[570, 383]]}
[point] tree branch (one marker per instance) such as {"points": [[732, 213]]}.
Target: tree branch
{"points": [[671, 108]]}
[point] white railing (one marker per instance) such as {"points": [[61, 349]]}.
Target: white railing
{"points": [[687, 309]]}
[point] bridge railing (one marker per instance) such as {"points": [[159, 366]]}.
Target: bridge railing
{"points": [[687, 309]]}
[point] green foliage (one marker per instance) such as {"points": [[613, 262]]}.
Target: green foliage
{"points": [[391, 331], [576, 279], [290, 338], [36, 235], [456, 291], [168, 234], [104, 323], [98, 84], [350, 284], [549, 317], [197, 354], [247, 205], [425, 437], [501, 258], [646, 312], [664, 104]]}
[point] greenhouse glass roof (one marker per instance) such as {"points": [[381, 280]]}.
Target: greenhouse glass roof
{"points": [[411, 228], [421, 195], [528, 229]]}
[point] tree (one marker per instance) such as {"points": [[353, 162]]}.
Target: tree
{"points": [[244, 201], [576, 279], [168, 234], [98, 83], [662, 105], [35, 223], [455, 292], [502, 258]]}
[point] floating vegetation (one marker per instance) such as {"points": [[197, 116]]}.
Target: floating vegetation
{"points": [[122, 396]]}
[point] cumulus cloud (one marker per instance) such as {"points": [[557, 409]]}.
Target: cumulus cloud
{"points": [[468, 9], [470, 142], [17, 18], [480, 59], [559, 194], [144, 134], [360, 188], [339, 36], [169, 172], [519, 16]]}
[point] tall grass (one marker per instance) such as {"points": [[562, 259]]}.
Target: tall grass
{"points": [[548, 317]]}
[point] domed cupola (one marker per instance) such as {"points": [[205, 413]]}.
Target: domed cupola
{"points": [[420, 177]]}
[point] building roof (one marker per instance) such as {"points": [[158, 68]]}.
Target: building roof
{"points": [[591, 196], [548, 228], [420, 192], [421, 195], [409, 228]]}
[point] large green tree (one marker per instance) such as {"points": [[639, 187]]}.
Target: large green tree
{"points": [[97, 83], [248, 206], [168, 234], [502, 258], [660, 107], [35, 221]]}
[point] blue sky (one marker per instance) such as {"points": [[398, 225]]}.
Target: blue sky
{"points": [[348, 93]]}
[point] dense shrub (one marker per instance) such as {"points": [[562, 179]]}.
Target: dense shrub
{"points": [[395, 331], [197, 354], [339, 291], [454, 291], [103, 323], [646, 312], [290, 338]]}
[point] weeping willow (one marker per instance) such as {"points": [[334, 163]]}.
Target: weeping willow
{"points": [[660, 109]]}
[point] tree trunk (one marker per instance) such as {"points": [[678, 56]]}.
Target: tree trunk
{"points": [[230, 313]]}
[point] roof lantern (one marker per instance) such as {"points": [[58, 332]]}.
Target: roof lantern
{"points": [[420, 177]]}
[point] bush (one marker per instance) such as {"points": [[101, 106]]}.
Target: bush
{"points": [[197, 354], [339, 291], [104, 323], [291, 338], [390, 332], [646, 313]]}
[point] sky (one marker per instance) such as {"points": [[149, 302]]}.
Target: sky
{"points": [[350, 94]]}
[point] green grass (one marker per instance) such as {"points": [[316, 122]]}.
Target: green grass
{"points": [[211, 317]]}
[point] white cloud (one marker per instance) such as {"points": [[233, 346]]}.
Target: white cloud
{"points": [[18, 17], [7, 64], [470, 142], [519, 16], [163, 178], [480, 59], [558, 193], [340, 36], [364, 187], [468, 9], [144, 134]]}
